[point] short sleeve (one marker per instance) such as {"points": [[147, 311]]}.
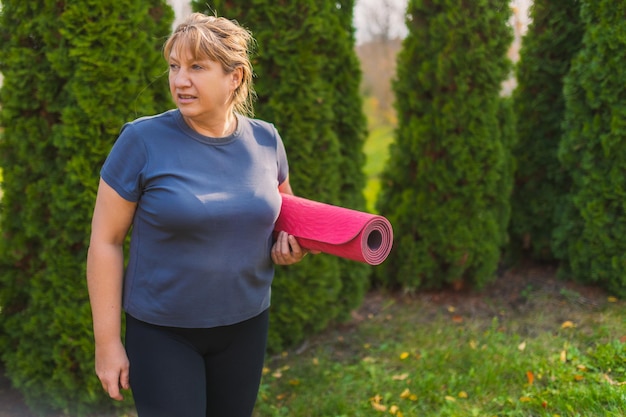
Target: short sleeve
{"points": [[281, 156], [124, 167]]}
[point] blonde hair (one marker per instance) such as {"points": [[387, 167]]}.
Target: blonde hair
{"points": [[221, 40]]}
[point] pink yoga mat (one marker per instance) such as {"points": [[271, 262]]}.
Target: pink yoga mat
{"points": [[338, 231]]}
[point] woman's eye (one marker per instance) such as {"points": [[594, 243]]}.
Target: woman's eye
{"points": [[196, 67], [173, 66]]}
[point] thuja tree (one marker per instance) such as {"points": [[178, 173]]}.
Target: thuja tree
{"points": [[442, 188], [74, 72], [307, 85], [592, 231], [553, 37]]}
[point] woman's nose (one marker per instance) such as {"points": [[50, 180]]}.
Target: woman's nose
{"points": [[181, 78]]}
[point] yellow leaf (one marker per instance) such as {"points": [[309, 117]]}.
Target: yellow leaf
{"points": [[266, 370], [463, 394], [404, 355], [393, 410], [316, 361], [379, 407], [473, 344], [578, 377], [406, 393], [563, 356], [522, 346], [450, 398], [413, 397], [451, 309], [612, 299], [525, 399], [581, 367], [567, 325], [399, 414], [376, 398], [277, 374], [294, 382], [400, 377]]}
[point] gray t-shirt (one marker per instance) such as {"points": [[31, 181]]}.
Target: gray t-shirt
{"points": [[202, 233]]}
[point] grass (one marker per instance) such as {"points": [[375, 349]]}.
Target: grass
{"points": [[545, 354], [376, 149]]}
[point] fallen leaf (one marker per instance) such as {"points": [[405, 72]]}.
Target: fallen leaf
{"points": [[530, 376], [522, 346], [525, 399], [407, 395], [567, 325], [294, 382], [612, 299], [400, 377], [404, 355], [473, 344], [316, 361], [450, 398], [457, 319], [581, 367], [578, 377], [393, 410], [462, 394], [376, 398], [451, 309], [266, 370], [563, 356], [379, 407]]}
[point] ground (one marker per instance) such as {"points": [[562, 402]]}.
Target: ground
{"points": [[511, 289]]}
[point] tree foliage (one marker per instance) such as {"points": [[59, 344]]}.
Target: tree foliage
{"points": [[74, 72], [553, 37], [442, 188], [592, 230], [307, 85]]}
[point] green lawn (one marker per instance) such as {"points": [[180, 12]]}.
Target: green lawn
{"points": [[537, 350], [381, 135]]}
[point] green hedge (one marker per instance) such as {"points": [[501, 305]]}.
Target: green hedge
{"points": [[593, 226], [307, 84], [442, 186], [74, 72], [553, 37]]}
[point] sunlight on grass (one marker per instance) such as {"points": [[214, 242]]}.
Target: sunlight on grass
{"points": [[413, 358], [381, 131]]}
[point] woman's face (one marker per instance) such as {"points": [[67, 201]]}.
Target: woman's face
{"points": [[201, 89]]}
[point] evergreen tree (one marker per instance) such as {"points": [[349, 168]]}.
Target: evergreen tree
{"points": [[553, 37], [307, 85], [442, 186], [592, 231], [74, 72]]}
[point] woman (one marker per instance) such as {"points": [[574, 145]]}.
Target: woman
{"points": [[200, 187]]}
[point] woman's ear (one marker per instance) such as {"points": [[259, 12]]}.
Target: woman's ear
{"points": [[237, 77]]}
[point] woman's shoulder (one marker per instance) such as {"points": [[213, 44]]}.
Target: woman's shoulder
{"points": [[258, 124], [165, 117]]}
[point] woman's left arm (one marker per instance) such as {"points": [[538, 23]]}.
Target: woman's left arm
{"points": [[286, 250]]}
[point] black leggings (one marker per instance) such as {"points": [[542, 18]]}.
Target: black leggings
{"points": [[215, 372]]}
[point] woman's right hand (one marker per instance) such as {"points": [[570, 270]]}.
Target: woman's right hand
{"points": [[112, 368]]}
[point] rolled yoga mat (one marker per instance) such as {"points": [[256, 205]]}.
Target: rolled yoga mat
{"points": [[338, 231]]}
